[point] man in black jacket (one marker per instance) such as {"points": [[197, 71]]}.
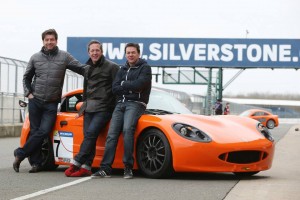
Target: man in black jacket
{"points": [[132, 87], [43, 82], [97, 107]]}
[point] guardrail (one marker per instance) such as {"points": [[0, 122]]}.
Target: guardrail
{"points": [[10, 111], [11, 88]]}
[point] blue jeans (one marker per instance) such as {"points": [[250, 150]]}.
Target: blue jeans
{"points": [[125, 118], [93, 123], [42, 116]]}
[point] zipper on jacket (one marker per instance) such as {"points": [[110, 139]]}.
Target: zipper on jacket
{"points": [[126, 80]]}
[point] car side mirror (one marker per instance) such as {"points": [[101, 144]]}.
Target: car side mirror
{"points": [[78, 105], [22, 103]]}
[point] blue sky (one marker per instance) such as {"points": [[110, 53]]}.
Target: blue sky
{"points": [[22, 23]]}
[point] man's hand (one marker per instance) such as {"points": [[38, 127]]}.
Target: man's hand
{"points": [[30, 96]]}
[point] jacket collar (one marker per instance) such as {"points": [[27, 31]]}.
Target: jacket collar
{"points": [[137, 64], [51, 52], [98, 63]]}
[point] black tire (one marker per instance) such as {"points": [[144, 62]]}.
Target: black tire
{"points": [[271, 124], [245, 174], [48, 162], [154, 156]]}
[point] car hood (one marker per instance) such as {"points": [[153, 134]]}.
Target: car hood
{"points": [[221, 129]]}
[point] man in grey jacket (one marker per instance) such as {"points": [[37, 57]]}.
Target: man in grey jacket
{"points": [[43, 82]]}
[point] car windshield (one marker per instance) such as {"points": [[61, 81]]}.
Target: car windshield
{"points": [[245, 113], [161, 102]]}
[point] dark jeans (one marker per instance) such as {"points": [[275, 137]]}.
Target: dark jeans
{"points": [[42, 116], [93, 124], [124, 118]]}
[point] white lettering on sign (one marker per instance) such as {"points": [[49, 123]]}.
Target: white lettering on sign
{"points": [[200, 52], [285, 53], [212, 52], [113, 52], [156, 53], [227, 55], [252, 53], [240, 48], [173, 56], [186, 52], [270, 53]]}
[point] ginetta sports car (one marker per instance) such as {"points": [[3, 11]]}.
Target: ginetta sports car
{"points": [[168, 139], [266, 118]]}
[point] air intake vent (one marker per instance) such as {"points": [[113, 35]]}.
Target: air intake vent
{"points": [[243, 157]]}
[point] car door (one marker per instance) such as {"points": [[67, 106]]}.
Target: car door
{"points": [[68, 132], [259, 116]]}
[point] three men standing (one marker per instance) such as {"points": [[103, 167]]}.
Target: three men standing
{"points": [[103, 79]]}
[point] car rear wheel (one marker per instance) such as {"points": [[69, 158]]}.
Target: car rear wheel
{"points": [[154, 156], [245, 174], [270, 124], [48, 162]]}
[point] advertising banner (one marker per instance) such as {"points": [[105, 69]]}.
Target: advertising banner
{"points": [[198, 52]]}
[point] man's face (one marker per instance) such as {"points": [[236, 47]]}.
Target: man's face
{"points": [[49, 42], [132, 55], [95, 52]]}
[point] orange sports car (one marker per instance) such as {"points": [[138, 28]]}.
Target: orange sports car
{"points": [[266, 118], [168, 138]]}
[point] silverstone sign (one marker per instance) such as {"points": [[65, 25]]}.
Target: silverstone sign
{"points": [[198, 52]]}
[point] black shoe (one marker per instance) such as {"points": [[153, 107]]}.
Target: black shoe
{"points": [[35, 169], [128, 173], [101, 174], [17, 162]]}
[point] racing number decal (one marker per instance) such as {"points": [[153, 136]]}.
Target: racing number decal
{"points": [[56, 151], [63, 146]]}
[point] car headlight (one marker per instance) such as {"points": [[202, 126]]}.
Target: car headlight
{"points": [[191, 133], [265, 131]]}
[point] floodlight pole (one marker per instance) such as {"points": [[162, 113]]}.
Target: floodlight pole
{"points": [[219, 84], [208, 99]]}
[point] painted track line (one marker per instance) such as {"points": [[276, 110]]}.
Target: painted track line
{"points": [[41, 192]]}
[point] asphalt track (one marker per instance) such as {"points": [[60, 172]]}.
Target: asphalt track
{"points": [[281, 182], [283, 179]]}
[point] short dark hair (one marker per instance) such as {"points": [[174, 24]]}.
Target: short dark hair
{"points": [[137, 46], [49, 32], [94, 42]]}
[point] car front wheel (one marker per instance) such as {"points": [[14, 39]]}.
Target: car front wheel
{"points": [[270, 124], [154, 156], [48, 162]]}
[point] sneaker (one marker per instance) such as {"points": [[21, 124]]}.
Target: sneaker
{"points": [[81, 173], [101, 174], [128, 173], [71, 170]]}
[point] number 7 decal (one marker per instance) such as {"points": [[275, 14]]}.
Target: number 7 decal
{"points": [[56, 151]]}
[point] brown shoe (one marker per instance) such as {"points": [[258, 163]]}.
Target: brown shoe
{"points": [[35, 169], [17, 162]]}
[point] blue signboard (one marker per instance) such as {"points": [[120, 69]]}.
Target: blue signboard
{"points": [[198, 52]]}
